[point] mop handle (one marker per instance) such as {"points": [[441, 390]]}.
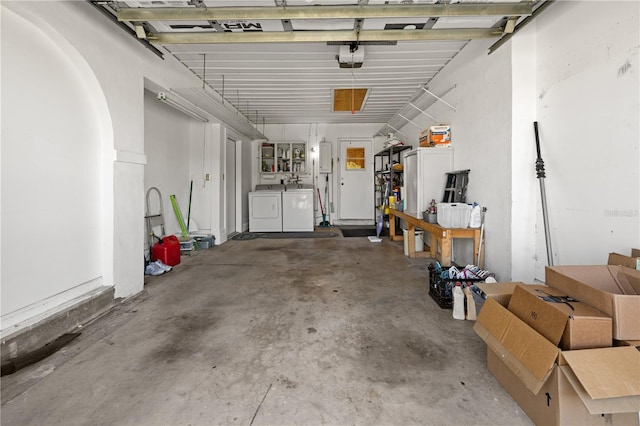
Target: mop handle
{"points": [[176, 210]]}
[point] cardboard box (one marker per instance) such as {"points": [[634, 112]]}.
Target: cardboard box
{"points": [[435, 136], [620, 259], [613, 290], [557, 403], [439, 135], [556, 387], [562, 320], [500, 292], [424, 138], [635, 343], [526, 352]]}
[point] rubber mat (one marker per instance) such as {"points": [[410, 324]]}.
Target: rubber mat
{"points": [[282, 235]]}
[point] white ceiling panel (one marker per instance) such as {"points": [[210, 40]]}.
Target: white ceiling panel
{"points": [[478, 22], [281, 65]]}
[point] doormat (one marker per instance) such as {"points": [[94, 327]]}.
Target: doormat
{"points": [[365, 231], [282, 235]]}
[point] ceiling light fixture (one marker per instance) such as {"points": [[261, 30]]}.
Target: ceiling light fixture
{"points": [[183, 107]]}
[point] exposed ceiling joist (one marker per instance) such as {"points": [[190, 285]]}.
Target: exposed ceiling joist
{"points": [[324, 12], [323, 36]]}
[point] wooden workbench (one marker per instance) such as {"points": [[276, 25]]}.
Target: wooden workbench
{"points": [[438, 237]]}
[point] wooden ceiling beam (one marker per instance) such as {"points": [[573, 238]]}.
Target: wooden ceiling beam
{"points": [[322, 36], [324, 12]]}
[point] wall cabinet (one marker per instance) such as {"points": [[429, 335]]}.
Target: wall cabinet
{"points": [[283, 157]]}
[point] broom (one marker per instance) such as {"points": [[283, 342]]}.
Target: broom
{"points": [[324, 222]]}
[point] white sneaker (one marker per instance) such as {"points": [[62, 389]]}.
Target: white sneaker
{"points": [[153, 269], [162, 265]]}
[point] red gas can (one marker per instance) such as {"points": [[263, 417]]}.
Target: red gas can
{"points": [[167, 250]]}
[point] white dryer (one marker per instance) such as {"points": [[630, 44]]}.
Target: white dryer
{"points": [[265, 208], [297, 208]]}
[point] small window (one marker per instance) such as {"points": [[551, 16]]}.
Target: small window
{"points": [[355, 159]]}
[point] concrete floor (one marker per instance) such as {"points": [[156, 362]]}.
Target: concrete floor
{"points": [[334, 331]]}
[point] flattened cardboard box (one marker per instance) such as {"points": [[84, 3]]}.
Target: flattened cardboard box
{"points": [[557, 403], [613, 290], [564, 321], [608, 376]]}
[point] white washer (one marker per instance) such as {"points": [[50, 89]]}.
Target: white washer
{"points": [[297, 208], [265, 208]]}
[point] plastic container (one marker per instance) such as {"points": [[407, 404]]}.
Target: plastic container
{"points": [[458, 302], [167, 251], [203, 241], [202, 244], [475, 219], [419, 241], [454, 215], [187, 245]]}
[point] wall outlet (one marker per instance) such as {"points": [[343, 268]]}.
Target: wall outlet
{"points": [[207, 177]]}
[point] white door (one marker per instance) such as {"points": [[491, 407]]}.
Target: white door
{"points": [[356, 179], [230, 187]]}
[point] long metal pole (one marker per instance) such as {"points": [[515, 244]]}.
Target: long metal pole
{"points": [[543, 195]]}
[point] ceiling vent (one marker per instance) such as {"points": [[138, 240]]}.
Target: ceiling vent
{"points": [[348, 59]]}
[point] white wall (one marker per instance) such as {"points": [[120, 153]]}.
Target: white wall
{"points": [[167, 134], [179, 150], [52, 174], [525, 238], [581, 85], [80, 187], [588, 109], [247, 184], [479, 87]]}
